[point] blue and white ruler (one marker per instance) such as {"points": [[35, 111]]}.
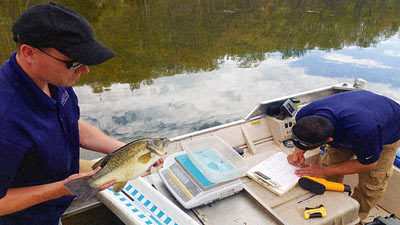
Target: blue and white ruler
{"points": [[140, 203]]}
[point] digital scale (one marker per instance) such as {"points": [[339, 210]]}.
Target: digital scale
{"points": [[190, 186]]}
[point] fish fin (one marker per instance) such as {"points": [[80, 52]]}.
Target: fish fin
{"points": [[81, 188], [103, 161], [119, 186], [145, 158]]}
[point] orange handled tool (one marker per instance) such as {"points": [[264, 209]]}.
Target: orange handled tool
{"points": [[319, 185]]}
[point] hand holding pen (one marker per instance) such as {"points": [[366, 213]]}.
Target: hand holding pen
{"points": [[296, 158]]}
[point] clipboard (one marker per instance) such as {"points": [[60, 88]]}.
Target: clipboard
{"points": [[275, 174]]}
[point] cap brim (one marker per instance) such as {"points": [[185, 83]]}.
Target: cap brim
{"points": [[91, 53], [299, 146]]}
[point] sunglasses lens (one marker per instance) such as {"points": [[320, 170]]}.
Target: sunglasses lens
{"points": [[299, 145], [74, 65]]}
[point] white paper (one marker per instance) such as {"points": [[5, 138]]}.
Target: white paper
{"points": [[279, 170]]}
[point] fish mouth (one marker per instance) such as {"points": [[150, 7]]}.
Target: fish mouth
{"points": [[159, 152], [161, 148]]}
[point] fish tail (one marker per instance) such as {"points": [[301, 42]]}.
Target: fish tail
{"points": [[81, 188]]}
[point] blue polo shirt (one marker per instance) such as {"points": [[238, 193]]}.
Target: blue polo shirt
{"points": [[39, 141], [363, 122]]}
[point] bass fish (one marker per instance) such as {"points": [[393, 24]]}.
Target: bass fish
{"points": [[126, 163]]}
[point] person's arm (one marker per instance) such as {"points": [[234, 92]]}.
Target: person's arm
{"points": [[17, 199], [348, 167], [92, 138]]}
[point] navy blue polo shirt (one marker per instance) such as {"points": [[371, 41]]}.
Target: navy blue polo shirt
{"points": [[363, 122], [39, 141]]}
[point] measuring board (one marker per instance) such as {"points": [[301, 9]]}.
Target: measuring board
{"points": [[189, 186], [140, 203]]}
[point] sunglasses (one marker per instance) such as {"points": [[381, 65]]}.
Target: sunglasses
{"points": [[303, 145], [70, 64]]}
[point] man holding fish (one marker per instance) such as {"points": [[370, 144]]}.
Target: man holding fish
{"points": [[40, 130]]}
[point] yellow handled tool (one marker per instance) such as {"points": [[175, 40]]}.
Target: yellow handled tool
{"points": [[320, 185], [317, 212]]}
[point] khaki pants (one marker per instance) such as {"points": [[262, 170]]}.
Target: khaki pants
{"points": [[371, 184]]}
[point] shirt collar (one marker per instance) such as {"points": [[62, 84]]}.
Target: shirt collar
{"points": [[29, 89]]}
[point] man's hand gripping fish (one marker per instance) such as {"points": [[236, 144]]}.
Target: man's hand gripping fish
{"points": [[126, 163]]}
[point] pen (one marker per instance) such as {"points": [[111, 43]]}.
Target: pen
{"points": [[300, 156], [266, 179], [312, 196]]}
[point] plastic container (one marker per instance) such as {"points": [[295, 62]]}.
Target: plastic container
{"points": [[215, 159]]}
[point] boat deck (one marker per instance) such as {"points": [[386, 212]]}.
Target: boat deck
{"points": [[101, 215]]}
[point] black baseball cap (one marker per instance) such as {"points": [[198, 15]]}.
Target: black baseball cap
{"points": [[52, 25]]}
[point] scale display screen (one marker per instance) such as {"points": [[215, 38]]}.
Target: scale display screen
{"points": [[181, 183], [180, 178]]}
